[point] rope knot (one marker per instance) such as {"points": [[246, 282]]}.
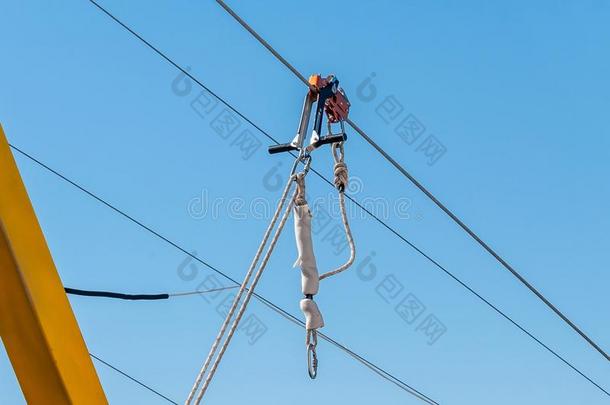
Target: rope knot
{"points": [[340, 169], [299, 199], [341, 176]]}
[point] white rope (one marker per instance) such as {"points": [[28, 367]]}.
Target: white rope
{"points": [[309, 273], [239, 294], [244, 304], [340, 181]]}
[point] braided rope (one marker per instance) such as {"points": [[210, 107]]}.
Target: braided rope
{"points": [[340, 169], [244, 304], [238, 296], [341, 180]]}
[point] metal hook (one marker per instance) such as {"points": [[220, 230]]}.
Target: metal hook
{"points": [[307, 164], [312, 357], [312, 362]]}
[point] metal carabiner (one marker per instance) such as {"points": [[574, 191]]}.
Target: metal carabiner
{"points": [[312, 362], [307, 163], [312, 357]]}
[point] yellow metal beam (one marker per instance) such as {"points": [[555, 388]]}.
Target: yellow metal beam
{"points": [[37, 326]]}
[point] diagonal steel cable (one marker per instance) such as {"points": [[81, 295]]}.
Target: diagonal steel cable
{"points": [[422, 188]]}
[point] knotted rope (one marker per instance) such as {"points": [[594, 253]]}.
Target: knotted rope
{"points": [[341, 180], [309, 274], [300, 195], [340, 169]]}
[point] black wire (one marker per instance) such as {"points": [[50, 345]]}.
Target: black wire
{"points": [[380, 371], [121, 296], [132, 379], [180, 68], [420, 186], [149, 297]]}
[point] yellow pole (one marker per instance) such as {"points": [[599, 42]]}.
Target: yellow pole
{"points": [[37, 326]]}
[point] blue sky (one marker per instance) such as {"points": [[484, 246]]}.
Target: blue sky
{"points": [[517, 95]]}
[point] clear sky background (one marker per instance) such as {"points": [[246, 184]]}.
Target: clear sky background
{"points": [[517, 93]]}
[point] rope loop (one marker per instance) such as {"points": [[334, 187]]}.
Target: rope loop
{"points": [[340, 154], [340, 181]]}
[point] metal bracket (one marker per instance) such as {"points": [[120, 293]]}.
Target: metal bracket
{"points": [[331, 100]]}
